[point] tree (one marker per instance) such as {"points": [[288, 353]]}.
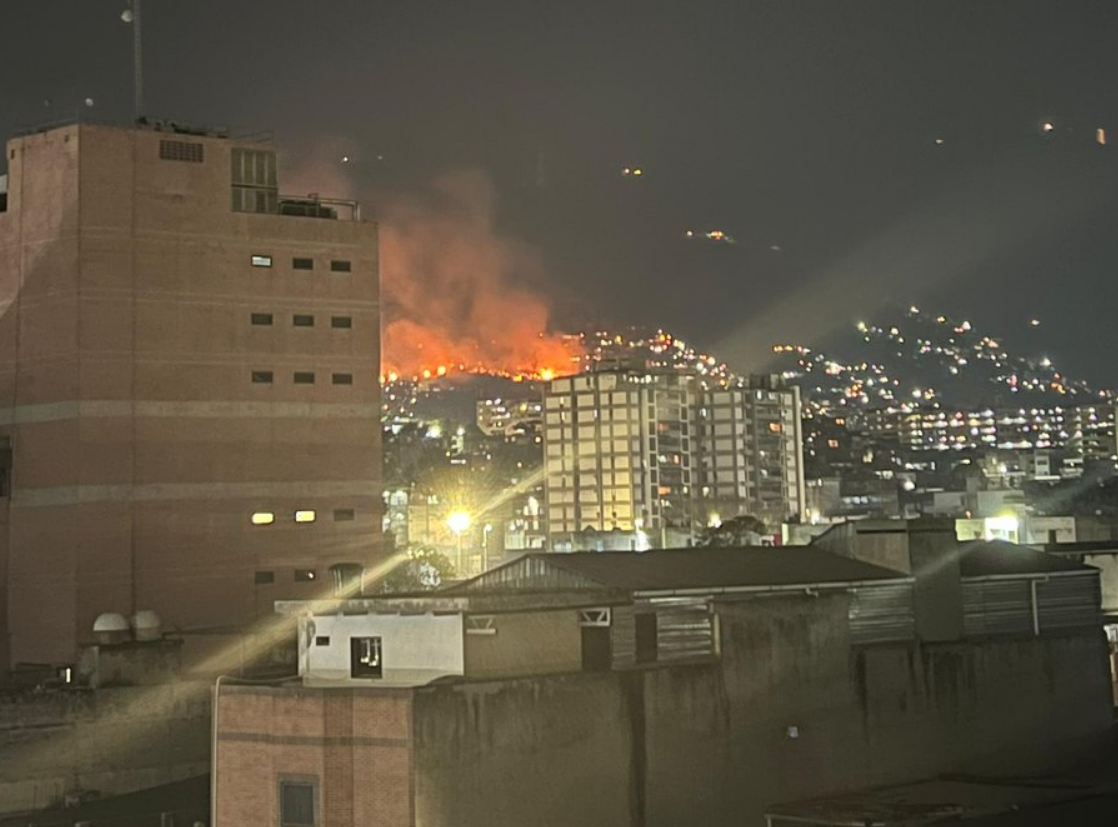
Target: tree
{"points": [[739, 531], [423, 569]]}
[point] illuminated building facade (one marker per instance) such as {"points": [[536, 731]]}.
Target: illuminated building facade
{"points": [[188, 385], [656, 452]]}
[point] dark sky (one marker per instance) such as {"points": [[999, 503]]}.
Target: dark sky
{"points": [[806, 125]]}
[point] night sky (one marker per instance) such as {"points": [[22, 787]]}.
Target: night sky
{"points": [[810, 126]]}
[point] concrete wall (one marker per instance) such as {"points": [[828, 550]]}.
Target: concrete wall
{"points": [[112, 741], [529, 643], [791, 711], [415, 648]]}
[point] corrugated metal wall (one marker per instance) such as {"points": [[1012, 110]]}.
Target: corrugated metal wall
{"points": [[1004, 607], [879, 614], [684, 629]]}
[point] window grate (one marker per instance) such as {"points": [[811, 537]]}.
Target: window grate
{"points": [[181, 151]]}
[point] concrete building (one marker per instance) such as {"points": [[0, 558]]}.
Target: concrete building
{"points": [[659, 453], [188, 385], [606, 689]]}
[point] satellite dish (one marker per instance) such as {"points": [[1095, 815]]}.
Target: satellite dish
{"points": [[126, 15], [89, 102]]}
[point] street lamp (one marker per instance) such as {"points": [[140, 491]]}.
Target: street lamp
{"points": [[131, 16], [459, 522]]}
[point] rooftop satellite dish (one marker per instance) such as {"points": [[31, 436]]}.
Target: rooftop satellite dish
{"points": [[126, 15], [89, 102]]}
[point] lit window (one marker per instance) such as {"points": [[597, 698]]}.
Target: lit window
{"points": [[304, 516], [261, 261], [304, 575], [263, 518], [302, 320], [303, 377], [341, 321], [340, 266], [263, 377], [343, 378], [262, 318], [774, 427], [302, 264]]}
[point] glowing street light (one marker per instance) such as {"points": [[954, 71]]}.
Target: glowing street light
{"points": [[459, 522]]}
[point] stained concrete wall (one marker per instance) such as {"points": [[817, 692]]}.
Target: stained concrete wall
{"points": [[112, 741], [526, 643], [790, 711]]}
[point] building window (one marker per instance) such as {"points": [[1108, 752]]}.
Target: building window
{"points": [[297, 803], [302, 320], [262, 377], [263, 518], [304, 575], [6, 467], [181, 151], [304, 377], [302, 264], [365, 657], [254, 181], [340, 266], [263, 578], [343, 514], [322, 640], [341, 321], [261, 261], [347, 578], [262, 318], [305, 516], [343, 378]]}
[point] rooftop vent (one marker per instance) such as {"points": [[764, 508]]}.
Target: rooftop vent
{"points": [[181, 151]]}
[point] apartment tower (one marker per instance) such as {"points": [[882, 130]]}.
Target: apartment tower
{"points": [[189, 400]]}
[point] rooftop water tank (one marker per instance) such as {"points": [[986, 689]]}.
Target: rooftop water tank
{"points": [[147, 625], [111, 627]]}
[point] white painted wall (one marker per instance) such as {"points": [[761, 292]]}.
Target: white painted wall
{"points": [[416, 649]]}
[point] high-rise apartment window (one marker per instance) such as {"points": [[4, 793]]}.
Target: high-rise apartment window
{"points": [[342, 514], [302, 264], [262, 318], [302, 320], [262, 377], [304, 377], [304, 575], [261, 261], [263, 518], [305, 516], [341, 321], [254, 181], [342, 378], [365, 657], [263, 578], [337, 266], [297, 803]]}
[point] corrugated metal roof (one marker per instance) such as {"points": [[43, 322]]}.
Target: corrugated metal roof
{"points": [[698, 568], [994, 558]]}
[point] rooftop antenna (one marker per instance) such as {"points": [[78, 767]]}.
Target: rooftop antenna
{"points": [[132, 15]]}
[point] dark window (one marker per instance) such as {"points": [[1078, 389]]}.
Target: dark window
{"points": [[6, 468], [646, 637], [596, 654], [340, 266], [341, 321], [262, 377], [302, 320], [304, 575], [343, 378], [322, 640], [302, 264], [341, 514], [304, 377], [181, 151], [262, 318], [348, 578], [364, 657], [263, 578], [261, 261], [297, 803]]}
